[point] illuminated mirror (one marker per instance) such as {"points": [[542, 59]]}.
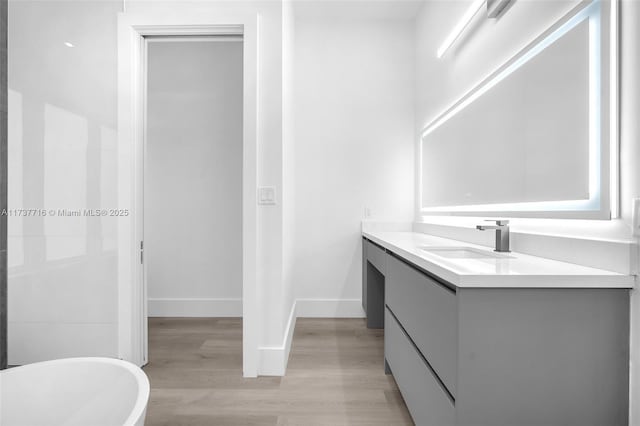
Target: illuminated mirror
{"points": [[531, 139]]}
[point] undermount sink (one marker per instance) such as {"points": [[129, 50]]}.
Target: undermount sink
{"points": [[464, 253]]}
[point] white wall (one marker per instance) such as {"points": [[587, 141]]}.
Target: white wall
{"points": [[354, 94], [62, 119], [193, 178]]}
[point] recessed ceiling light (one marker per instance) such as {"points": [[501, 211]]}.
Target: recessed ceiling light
{"points": [[69, 44]]}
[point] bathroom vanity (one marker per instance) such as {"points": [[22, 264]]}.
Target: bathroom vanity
{"points": [[474, 337]]}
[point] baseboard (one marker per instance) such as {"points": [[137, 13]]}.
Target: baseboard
{"points": [[329, 308], [291, 327], [274, 359], [194, 307]]}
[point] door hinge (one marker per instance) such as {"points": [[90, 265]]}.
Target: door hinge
{"points": [[141, 251]]}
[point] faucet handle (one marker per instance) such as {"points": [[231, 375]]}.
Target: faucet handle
{"points": [[499, 222]]}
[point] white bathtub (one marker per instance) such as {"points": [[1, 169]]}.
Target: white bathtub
{"points": [[74, 392]]}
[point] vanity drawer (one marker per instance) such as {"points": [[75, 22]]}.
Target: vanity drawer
{"points": [[376, 256], [428, 311], [425, 397]]}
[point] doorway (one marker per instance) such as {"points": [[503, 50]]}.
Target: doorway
{"points": [[133, 28], [192, 197]]}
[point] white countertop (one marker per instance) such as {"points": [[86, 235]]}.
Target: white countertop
{"points": [[516, 271]]}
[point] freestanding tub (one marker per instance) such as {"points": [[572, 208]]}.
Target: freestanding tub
{"points": [[74, 392]]}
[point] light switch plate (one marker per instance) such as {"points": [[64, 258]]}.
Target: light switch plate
{"points": [[266, 195]]}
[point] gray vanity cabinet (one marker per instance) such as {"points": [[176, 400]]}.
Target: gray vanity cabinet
{"points": [[503, 356], [543, 356], [424, 394], [374, 260], [427, 310]]}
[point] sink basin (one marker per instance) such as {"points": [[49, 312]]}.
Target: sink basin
{"points": [[464, 253]]}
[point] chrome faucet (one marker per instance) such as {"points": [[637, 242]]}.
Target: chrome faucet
{"points": [[502, 234]]}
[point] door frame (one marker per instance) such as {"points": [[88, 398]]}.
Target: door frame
{"points": [[132, 304]]}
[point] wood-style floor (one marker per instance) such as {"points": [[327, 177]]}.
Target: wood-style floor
{"points": [[335, 377]]}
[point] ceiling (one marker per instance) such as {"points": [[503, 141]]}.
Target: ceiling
{"points": [[358, 9]]}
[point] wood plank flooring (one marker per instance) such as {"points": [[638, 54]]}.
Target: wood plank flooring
{"points": [[335, 377]]}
